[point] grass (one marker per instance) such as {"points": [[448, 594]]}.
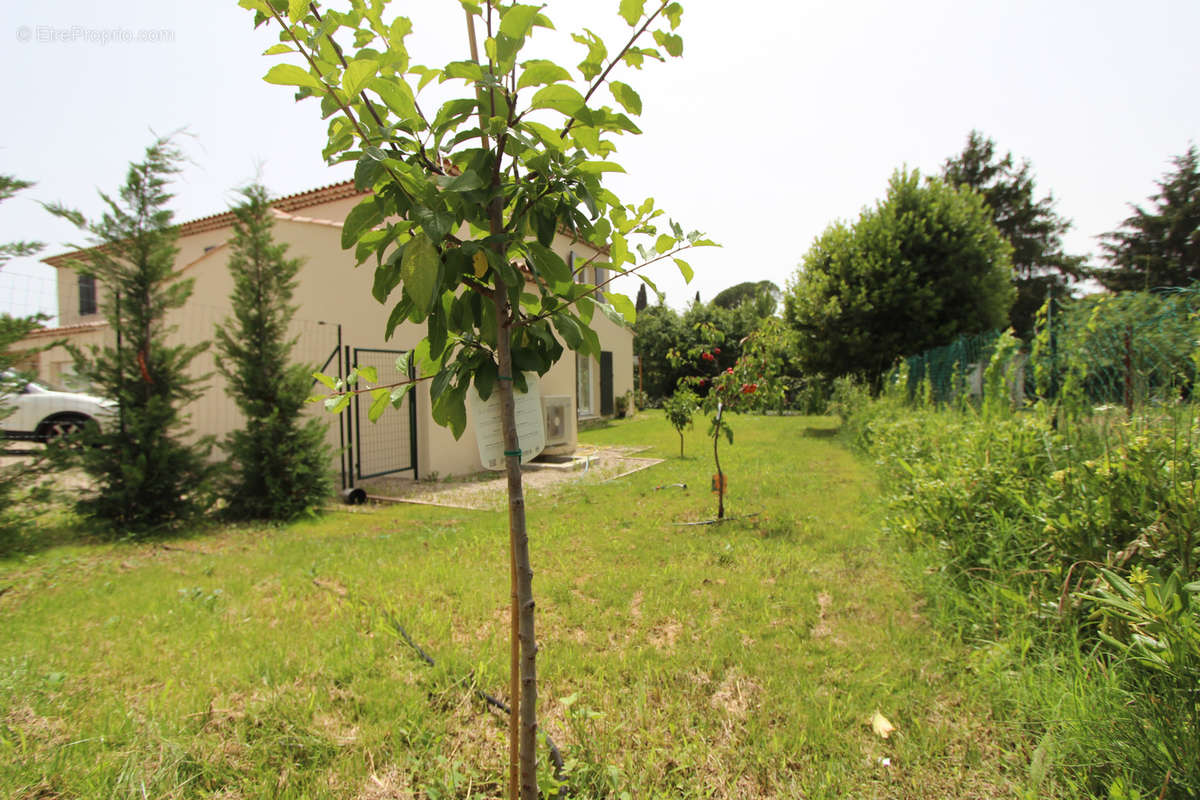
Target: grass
{"points": [[725, 661]]}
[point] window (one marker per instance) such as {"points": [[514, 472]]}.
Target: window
{"points": [[87, 295], [583, 386], [601, 277], [578, 277]]}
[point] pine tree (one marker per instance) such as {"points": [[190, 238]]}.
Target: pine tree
{"points": [[12, 330], [1031, 226], [146, 478], [280, 462], [1159, 247]]}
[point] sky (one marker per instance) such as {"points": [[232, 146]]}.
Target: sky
{"points": [[780, 118]]}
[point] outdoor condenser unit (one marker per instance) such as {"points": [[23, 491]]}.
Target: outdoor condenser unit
{"points": [[557, 409]]}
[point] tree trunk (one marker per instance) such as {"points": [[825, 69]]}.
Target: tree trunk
{"points": [[524, 700], [720, 475]]}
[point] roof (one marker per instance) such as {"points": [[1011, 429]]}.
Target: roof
{"points": [[81, 327], [287, 204]]}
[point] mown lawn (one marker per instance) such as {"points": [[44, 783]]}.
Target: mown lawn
{"points": [[732, 661]]}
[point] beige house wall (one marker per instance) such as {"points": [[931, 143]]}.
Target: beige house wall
{"points": [[330, 292]]}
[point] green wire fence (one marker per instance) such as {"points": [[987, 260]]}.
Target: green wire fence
{"points": [[1131, 349]]}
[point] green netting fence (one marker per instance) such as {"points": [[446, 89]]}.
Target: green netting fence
{"points": [[1131, 349], [948, 373]]}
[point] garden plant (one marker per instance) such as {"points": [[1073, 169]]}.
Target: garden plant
{"points": [[465, 202]]}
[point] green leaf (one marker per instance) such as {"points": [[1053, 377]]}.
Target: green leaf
{"points": [[291, 75], [276, 49], [366, 172], [467, 181], [337, 404], [549, 264], [631, 11], [565, 99], [593, 65], [362, 217], [517, 20], [325, 379], [664, 244], [296, 10], [419, 271], [728, 433], [368, 373], [399, 313], [467, 70], [598, 167], [626, 96], [685, 269], [674, 12], [623, 305], [396, 95], [538, 71], [357, 74], [387, 276], [404, 363], [545, 134], [670, 42], [380, 399], [486, 376], [399, 393], [568, 329]]}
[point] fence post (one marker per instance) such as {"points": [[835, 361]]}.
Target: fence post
{"points": [[1128, 372]]}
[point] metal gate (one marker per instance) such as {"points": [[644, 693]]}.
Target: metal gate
{"points": [[388, 445]]}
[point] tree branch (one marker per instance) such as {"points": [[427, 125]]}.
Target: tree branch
{"points": [[620, 274], [613, 63]]}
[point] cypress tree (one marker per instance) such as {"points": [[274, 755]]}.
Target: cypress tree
{"points": [[145, 476], [280, 463]]}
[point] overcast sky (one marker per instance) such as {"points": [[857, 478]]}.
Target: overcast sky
{"points": [[780, 118]]}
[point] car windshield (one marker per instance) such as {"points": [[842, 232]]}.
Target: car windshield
{"points": [[13, 380]]}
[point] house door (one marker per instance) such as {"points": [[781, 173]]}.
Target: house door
{"points": [[606, 383], [390, 444]]}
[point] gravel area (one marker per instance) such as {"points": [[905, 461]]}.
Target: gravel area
{"points": [[487, 491]]}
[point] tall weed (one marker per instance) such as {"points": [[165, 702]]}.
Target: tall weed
{"points": [[1048, 541]]}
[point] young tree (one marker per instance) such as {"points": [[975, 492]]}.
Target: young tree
{"points": [[465, 205], [146, 477], [1160, 246], [680, 408], [280, 464], [752, 383], [923, 266], [1031, 226]]}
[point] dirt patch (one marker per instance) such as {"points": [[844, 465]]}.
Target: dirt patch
{"points": [[736, 695], [487, 491], [821, 628]]}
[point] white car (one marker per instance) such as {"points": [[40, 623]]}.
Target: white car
{"points": [[41, 414]]}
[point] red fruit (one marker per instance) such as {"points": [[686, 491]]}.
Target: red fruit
{"points": [[707, 356], [717, 350], [729, 371]]}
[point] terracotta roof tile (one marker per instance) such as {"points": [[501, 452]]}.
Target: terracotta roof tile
{"points": [[289, 203]]}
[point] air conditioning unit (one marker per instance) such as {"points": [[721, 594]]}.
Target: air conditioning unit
{"points": [[557, 411]]}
